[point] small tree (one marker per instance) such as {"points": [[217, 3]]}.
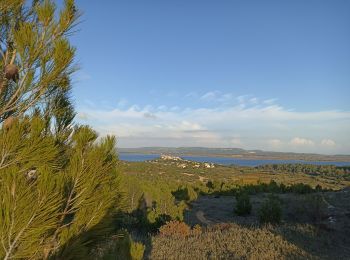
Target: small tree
{"points": [[243, 205], [271, 211]]}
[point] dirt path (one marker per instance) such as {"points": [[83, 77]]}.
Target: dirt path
{"points": [[330, 206], [201, 218]]}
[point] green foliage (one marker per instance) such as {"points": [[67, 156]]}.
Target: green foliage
{"points": [[185, 193], [51, 206], [123, 247], [26, 145], [274, 187], [137, 250], [243, 205], [33, 40], [59, 185], [310, 208], [301, 188], [150, 204], [119, 248], [316, 170], [271, 211]]}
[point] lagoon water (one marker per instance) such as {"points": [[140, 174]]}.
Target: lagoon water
{"points": [[224, 160]]}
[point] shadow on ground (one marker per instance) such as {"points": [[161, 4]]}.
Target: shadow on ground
{"points": [[317, 223]]}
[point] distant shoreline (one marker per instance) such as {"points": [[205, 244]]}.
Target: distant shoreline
{"points": [[244, 155], [267, 159]]}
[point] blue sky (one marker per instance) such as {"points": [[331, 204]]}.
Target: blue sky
{"points": [[272, 75]]}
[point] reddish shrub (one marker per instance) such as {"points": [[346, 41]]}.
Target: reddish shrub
{"points": [[175, 228]]}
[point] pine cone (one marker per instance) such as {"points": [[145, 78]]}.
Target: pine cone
{"points": [[11, 72]]}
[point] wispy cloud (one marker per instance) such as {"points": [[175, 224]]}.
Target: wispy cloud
{"points": [[212, 95], [301, 141], [249, 123], [328, 142], [218, 96]]}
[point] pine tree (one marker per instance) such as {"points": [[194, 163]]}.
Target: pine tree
{"points": [[35, 54], [59, 184]]}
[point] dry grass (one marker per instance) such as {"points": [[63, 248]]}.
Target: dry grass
{"points": [[230, 241]]}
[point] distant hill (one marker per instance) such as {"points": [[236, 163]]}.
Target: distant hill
{"points": [[234, 153]]}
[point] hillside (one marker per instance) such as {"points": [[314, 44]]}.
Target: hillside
{"points": [[235, 153], [182, 209]]}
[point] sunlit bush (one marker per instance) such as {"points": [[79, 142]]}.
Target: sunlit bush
{"points": [[175, 228]]}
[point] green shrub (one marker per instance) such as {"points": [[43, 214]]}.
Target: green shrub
{"points": [[315, 206], [122, 248], [185, 193], [271, 211], [192, 194], [301, 188], [137, 250], [318, 188], [243, 205]]}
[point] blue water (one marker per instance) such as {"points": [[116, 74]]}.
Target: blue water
{"points": [[225, 160]]}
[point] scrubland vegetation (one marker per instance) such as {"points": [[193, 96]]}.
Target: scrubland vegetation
{"points": [[197, 212], [65, 195]]}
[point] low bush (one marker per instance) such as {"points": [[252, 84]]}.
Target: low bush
{"points": [[310, 208], [137, 250], [122, 247], [196, 230], [243, 205], [229, 241], [271, 211], [315, 207], [175, 228], [301, 188]]}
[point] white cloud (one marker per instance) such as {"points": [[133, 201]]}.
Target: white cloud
{"points": [[328, 142], [212, 95], [217, 96], [301, 141], [253, 100], [270, 101], [275, 142], [253, 126]]}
